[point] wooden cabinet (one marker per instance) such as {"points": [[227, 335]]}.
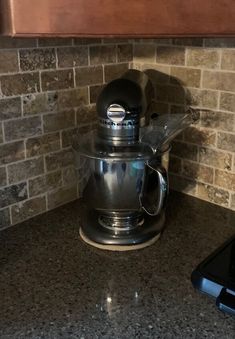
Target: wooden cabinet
{"points": [[92, 18]]}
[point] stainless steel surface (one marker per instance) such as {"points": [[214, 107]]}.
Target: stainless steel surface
{"points": [[155, 189], [123, 223], [116, 113], [126, 130], [97, 233], [117, 123], [117, 185]]}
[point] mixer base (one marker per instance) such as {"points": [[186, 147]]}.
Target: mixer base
{"points": [[142, 236], [118, 247]]}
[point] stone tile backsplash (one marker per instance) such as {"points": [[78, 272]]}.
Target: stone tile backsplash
{"points": [[48, 90], [200, 73]]}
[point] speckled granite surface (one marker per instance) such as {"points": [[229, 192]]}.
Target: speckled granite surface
{"points": [[54, 286]]}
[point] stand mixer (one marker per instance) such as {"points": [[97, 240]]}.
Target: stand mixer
{"points": [[125, 162]]}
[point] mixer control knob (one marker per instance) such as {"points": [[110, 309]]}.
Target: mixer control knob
{"points": [[116, 113]]}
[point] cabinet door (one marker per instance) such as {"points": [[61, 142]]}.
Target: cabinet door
{"points": [[118, 17]]}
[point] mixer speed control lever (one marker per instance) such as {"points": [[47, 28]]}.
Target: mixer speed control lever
{"points": [[116, 113]]}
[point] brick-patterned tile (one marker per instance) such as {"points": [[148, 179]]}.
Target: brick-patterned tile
{"points": [[45, 183], [69, 176], [48, 42], [1, 133], [226, 141], [10, 108], [112, 72], [171, 55], [188, 42], [114, 40], [198, 172], [218, 120], [203, 98], [43, 144], [33, 59], [59, 159], [8, 42], [72, 98], [184, 185], [158, 74], [124, 52], [220, 42], [225, 179], [170, 94], [8, 61], [103, 54], [95, 92], [19, 84], [227, 101], [87, 41], [175, 164], [200, 136], [188, 76], [25, 169], [68, 135], [28, 209], [3, 176], [5, 218], [55, 122], [72, 56], [55, 80], [228, 60], [86, 114], [215, 158], [183, 150], [61, 196], [144, 53], [213, 194], [22, 128], [203, 58], [233, 201], [91, 75], [12, 152], [35, 103], [13, 194], [223, 81]]}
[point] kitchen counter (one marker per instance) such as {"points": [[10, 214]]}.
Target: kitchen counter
{"points": [[52, 285]]}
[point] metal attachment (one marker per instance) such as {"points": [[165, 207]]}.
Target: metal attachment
{"points": [[116, 113]]}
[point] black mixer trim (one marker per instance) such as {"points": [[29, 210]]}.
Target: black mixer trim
{"points": [[125, 124]]}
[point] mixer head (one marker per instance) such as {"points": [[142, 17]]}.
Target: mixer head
{"points": [[122, 106]]}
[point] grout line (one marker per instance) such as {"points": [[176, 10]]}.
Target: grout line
{"points": [[213, 178], [10, 213], [46, 198], [40, 81], [18, 60], [74, 78], [218, 101], [3, 133], [89, 55], [56, 58], [220, 59]]}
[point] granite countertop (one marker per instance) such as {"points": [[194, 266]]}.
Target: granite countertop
{"points": [[52, 285]]}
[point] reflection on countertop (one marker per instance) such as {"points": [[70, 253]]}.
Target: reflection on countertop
{"points": [[52, 285]]}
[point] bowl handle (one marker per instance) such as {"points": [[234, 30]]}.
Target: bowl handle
{"points": [[154, 190]]}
